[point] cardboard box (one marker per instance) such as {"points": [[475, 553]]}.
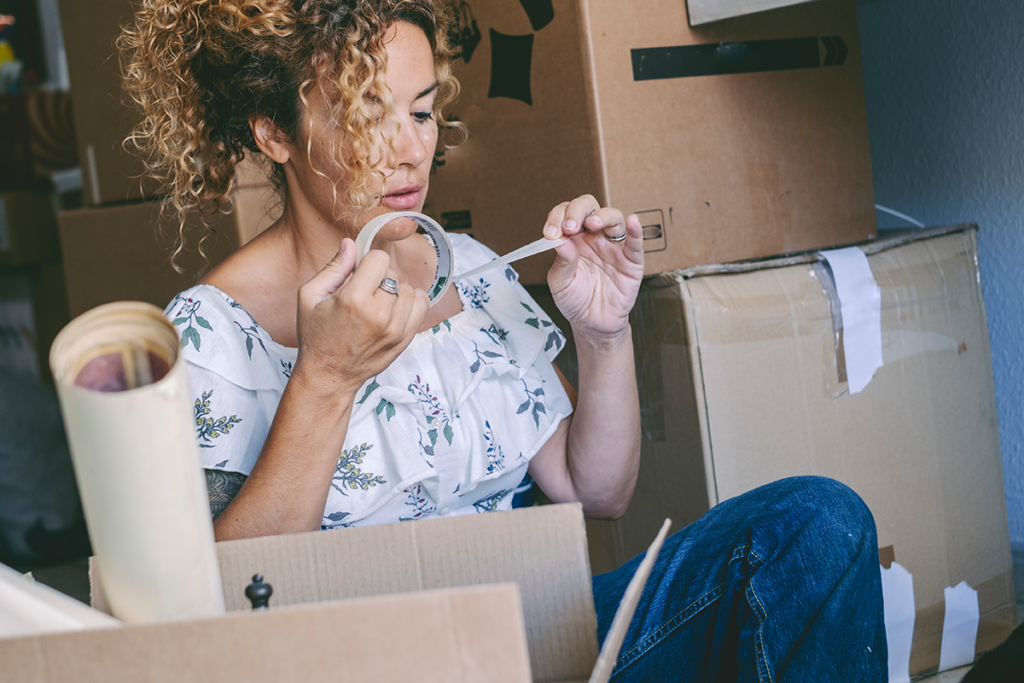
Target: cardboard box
{"points": [[33, 309], [123, 253], [28, 227], [728, 147], [741, 384], [37, 137], [103, 117], [368, 604], [706, 11]]}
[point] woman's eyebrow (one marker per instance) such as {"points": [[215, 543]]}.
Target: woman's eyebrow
{"points": [[426, 92]]}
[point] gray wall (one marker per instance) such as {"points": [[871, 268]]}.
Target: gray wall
{"points": [[945, 98]]}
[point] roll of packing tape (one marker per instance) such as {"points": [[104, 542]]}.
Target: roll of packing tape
{"points": [[434, 233]]}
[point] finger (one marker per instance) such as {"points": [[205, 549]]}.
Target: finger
{"points": [[333, 275], [609, 220], [382, 294], [366, 278], [417, 311], [577, 212], [553, 223], [634, 238]]}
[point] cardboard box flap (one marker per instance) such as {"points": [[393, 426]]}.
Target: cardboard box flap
{"points": [[542, 549], [456, 635], [888, 239]]}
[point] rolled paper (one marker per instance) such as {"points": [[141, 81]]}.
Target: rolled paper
{"points": [[29, 608], [129, 418], [434, 233]]}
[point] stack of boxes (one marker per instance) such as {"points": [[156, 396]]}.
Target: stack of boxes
{"points": [[118, 247], [745, 139]]}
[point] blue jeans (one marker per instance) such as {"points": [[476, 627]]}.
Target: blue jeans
{"points": [[779, 584]]}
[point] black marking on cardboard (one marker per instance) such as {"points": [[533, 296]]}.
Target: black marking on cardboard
{"points": [[465, 35], [540, 12], [720, 59], [511, 57], [453, 221]]}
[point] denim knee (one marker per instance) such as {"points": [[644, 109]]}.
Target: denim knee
{"points": [[832, 511]]}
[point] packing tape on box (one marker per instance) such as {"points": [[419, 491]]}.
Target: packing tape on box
{"points": [[900, 613], [860, 301], [434, 233], [131, 426]]}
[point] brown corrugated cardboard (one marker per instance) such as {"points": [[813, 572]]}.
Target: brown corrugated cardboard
{"points": [[741, 386], [460, 635], [766, 157], [257, 207], [429, 622], [123, 253], [28, 227], [705, 11], [102, 116]]}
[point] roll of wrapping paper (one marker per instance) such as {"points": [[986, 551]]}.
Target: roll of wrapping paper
{"points": [[129, 418]]}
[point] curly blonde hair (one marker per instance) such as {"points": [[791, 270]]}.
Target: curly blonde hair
{"points": [[200, 70]]}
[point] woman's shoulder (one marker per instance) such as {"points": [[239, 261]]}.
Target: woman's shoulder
{"points": [[218, 334]]}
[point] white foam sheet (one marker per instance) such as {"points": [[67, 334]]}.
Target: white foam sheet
{"points": [[959, 627], [30, 608], [900, 613], [860, 300]]}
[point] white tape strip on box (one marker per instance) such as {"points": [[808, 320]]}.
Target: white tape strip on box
{"points": [[860, 300], [959, 624], [959, 627], [898, 601]]}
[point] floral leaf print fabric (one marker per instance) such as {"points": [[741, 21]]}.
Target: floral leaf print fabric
{"points": [[475, 293], [252, 333], [349, 476], [437, 432], [435, 413], [188, 313], [209, 428]]}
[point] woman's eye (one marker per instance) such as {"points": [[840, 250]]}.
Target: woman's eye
{"points": [[422, 116]]}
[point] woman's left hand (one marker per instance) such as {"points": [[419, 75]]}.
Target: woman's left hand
{"points": [[595, 280]]}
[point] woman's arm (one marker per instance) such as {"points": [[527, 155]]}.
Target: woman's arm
{"points": [[594, 456], [349, 330]]}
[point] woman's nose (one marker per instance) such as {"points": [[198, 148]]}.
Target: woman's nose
{"points": [[410, 145]]}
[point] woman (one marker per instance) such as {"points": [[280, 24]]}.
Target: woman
{"points": [[297, 354]]}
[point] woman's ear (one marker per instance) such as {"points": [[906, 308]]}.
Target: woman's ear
{"points": [[269, 138]]}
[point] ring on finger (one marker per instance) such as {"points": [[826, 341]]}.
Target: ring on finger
{"points": [[389, 285], [617, 238]]}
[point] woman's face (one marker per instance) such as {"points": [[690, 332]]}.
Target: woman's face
{"points": [[413, 85]]}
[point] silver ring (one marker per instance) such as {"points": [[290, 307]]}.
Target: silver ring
{"points": [[389, 285], [617, 238]]}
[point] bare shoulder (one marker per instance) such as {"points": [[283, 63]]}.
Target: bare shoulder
{"points": [[256, 277]]}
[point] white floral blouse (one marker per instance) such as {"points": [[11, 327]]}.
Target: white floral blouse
{"points": [[449, 428]]}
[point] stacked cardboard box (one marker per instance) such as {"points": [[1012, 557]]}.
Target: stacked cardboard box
{"points": [[734, 140], [743, 381], [119, 247]]}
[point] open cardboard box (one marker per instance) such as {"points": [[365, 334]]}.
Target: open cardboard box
{"points": [[497, 597]]}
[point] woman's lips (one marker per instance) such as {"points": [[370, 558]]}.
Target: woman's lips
{"points": [[404, 198]]}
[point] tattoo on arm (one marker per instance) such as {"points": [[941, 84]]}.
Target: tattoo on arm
{"points": [[222, 487]]}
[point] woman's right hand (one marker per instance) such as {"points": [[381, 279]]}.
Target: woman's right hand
{"points": [[350, 329]]}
